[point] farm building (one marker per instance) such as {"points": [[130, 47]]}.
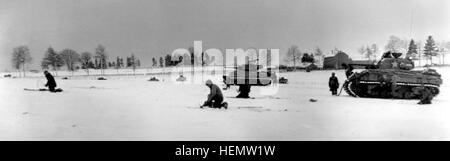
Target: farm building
{"points": [[335, 62]]}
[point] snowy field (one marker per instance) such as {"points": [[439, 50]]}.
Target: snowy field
{"points": [[132, 108]]}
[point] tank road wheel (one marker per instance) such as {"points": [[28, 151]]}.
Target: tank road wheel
{"points": [[404, 92], [416, 92], [434, 91]]}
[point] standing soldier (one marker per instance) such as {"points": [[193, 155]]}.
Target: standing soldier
{"points": [[227, 86], [333, 83], [244, 90]]}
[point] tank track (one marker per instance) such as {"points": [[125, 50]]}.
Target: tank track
{"points": [[347, 85], [351, 90]]}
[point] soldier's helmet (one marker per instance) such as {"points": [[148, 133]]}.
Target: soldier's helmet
{"points": [[387, 55], [396, 55], [208, 82]]}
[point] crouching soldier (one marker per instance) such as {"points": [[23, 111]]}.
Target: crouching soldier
{"points": [[215, 97], [51, 83], [426, 96], [333, 83]]}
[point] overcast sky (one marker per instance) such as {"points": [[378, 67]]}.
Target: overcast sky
{"points": [[150, 28]]}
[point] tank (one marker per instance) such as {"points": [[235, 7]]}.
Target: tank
{"points": [[392, 77], [251, 75]]}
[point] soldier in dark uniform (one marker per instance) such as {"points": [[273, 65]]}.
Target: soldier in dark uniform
{"points": [[394, 88], [244, 90], [427, 96], [387, 55], [215, 97], [348, 69], [333, 83], [51, 83], [227, 86], [384, 90]]}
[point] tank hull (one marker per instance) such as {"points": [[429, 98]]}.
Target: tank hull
{"points": [[392, 83], [250, 78]]}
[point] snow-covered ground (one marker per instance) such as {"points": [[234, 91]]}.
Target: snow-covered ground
{"points": [[132, 108]]}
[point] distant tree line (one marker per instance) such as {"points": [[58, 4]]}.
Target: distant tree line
{"points": [[370, 52], [295, 56], [185, 59], [54, 60], [416, 50], [412, 50]]}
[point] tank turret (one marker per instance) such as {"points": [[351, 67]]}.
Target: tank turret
{"points": [[250, 74], [393, 61]]}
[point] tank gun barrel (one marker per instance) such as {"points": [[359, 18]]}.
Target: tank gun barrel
{"points": [[367, 66]]}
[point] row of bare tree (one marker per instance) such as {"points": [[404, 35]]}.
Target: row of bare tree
{"points": [[414, 50], [54, 60], [69, 57], [295, 56]]}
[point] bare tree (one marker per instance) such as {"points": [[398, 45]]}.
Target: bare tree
{"points": [[293, 55], [154, 62], [362, 50], [192, 56], [70, 58], [53, 59], [442, 51], [375, 51], [447, 50], [252, 55], [420, 46], [161, 62], [369, 53], [100, 53], [318, 54], [396, 44], [21, 56], [86, 60], [133, 63], [335, 51]]}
